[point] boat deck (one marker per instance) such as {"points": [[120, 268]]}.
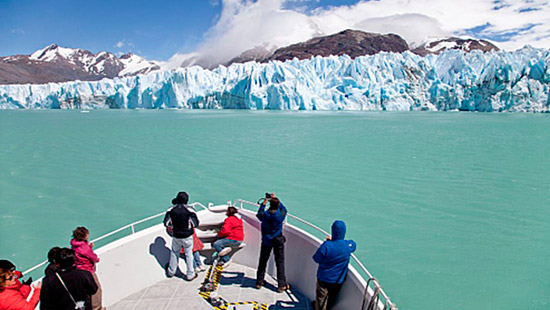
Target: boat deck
{"points": [[237, 284]]}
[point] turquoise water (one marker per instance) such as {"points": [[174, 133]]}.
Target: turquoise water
{"points": [[450, 210]]}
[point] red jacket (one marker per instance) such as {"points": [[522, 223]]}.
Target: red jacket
{"points": [[197, 243], [14, 298], [25, 290], [85, 256], [232, 229]]}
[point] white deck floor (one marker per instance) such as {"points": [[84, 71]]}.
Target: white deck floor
{"points": [[237, 284]]}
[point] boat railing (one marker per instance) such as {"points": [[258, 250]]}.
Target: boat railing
{"points": [[130, 229], [376, 287]]}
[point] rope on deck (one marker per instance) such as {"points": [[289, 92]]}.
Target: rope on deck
{"points": [[216, 274]]}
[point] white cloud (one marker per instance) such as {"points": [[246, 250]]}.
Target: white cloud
{"points": [[244, 24], [129, 45]]}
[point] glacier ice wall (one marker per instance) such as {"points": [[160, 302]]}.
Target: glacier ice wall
{"points": [[497, 81]]}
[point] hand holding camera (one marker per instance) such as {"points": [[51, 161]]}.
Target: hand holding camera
{"points": [[263, 201]]}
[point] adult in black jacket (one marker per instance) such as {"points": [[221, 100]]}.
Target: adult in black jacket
{"points": [[76, 283], [181, 219]]}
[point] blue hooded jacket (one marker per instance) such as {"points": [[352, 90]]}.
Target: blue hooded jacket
{"points": [[272, 223], [333, 255]]}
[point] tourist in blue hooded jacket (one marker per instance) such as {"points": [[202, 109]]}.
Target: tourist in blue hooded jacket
{"points": [[333, 259], [272, 221]]}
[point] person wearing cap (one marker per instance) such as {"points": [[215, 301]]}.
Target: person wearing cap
{"points": [[333, 259], [13, 294], [182, 220], [24, 287]]}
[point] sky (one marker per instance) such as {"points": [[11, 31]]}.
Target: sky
{"points": [[222, 29]]}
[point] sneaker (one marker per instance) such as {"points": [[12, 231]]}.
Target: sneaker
{"points": [[202, 268], [193, 277], [197, 269], [225, 265], [284, 288], [168, 275]]}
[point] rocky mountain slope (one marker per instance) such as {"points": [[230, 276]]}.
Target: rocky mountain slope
{"points": [[59, 64], [353, 43]]}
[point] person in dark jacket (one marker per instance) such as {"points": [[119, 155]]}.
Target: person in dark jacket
{"points": [[51, 268], [272, 239], [182, 219], [333, 259], [68, 286]]}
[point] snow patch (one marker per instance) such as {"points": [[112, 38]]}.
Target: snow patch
{"points": [[442, 46]]}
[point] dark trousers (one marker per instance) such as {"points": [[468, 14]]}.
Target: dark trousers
{"points": [[279, 252], [325, 294]]}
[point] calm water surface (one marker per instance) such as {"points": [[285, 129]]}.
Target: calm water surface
{"points": [[449, 210]]}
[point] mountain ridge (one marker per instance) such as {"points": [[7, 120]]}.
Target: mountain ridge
{"points": [[54, 63], [60, 64]]}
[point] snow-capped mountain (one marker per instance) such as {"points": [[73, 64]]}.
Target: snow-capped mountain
{"points": [[438, 45], [452, 80], [59, 64], [134, 64]]}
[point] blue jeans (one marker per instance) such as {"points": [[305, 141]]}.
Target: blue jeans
{"points": [[177, 244], [224, 243], [196, 259]]}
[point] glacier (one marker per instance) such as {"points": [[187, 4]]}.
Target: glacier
{"points": [[514, 81]]}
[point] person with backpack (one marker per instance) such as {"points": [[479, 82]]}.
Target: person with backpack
{"points": [[333, 258], [182, 220]]}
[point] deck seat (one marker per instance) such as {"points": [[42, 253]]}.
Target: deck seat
{"points": [[206, 234]]}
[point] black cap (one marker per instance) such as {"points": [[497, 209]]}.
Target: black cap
{"points": [[7, 265]]}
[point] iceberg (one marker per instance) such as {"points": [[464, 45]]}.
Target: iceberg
{"points": [[515, 81]]}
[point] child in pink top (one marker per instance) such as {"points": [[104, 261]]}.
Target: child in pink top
{"points": [[86, 260]]}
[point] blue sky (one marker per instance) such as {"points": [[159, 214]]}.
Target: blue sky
{"points": [[159, 29], [153, 29], [145, 27]]}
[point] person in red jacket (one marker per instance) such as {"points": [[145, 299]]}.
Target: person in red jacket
{"points": [[13, 294], [231, 234]]}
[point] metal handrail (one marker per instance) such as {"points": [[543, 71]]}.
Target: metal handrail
{"points": [[355, 259], [241, 201], [131, 226]]}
